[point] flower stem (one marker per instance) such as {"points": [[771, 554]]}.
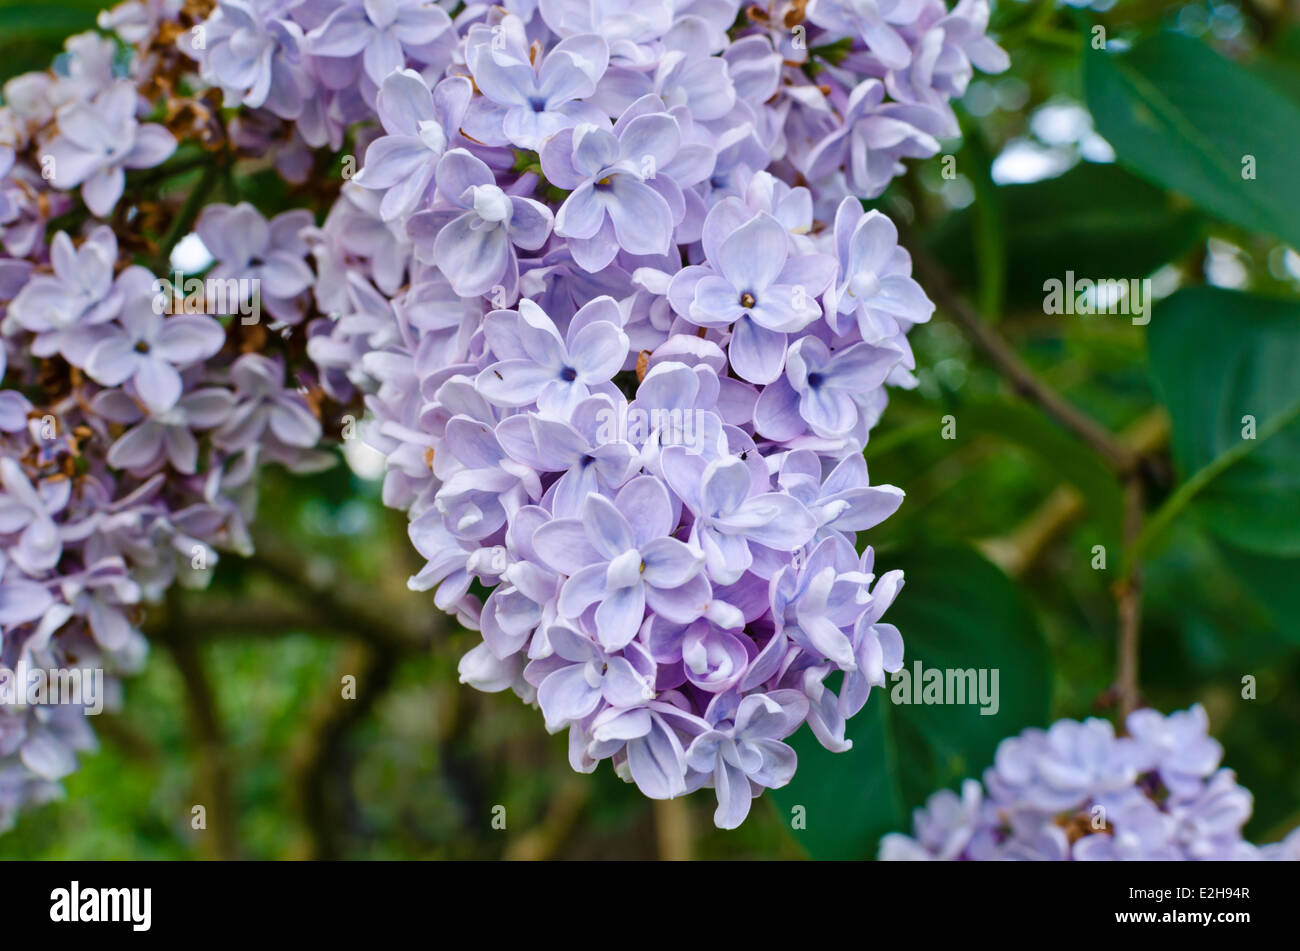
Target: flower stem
{"points": [[185, 218]]}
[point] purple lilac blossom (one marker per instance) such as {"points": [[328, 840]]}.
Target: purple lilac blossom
{"points": [[248, 50], [527, 98], [477, 249], [383, 33], [98, 140], [419, 122], [268, 255], [648, 466], [109, 402], [1077, 792], [620, 365]]}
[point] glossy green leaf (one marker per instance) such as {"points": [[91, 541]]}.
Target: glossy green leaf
{"points": [[1224, 364], [1271, 584], [1182, 116]]}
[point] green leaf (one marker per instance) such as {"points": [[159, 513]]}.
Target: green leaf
{"points": [[1186, 118], [31, 35], [1218, 357], [1231, 611], [955, 611], [1096, 220], [1280, 64], [1271, 584]]}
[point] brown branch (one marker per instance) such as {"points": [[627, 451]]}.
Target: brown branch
{"points": [[1016, 552], [1023, 380], [673, 830], [320, 770], [379, 632], [338, 603], [1128, 597], [1125, 461], [217, 619], [542, 841], [213, 779], [214, 619], [117, 731], [1268, 18]]}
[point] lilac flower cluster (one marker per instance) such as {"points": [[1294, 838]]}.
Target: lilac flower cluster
{"points": [[134, 466], [623, 327], [1078, 792], [607, 288], [129, 434]]}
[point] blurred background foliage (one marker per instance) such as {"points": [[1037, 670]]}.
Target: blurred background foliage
{"points": [[1123, 163]]}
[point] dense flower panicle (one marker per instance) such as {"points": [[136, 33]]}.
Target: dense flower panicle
{"points": [[603, 282], [1076, 791], [129, 429]]}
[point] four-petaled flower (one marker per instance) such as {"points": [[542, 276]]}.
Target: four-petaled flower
{"points": [[98, 140]]}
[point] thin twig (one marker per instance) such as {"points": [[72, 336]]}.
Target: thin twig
{"points": [[185, 218], [1194, 484], [1128, 595], [217, 619], [113, 728], [1004, 358], [1126, 462], [1017, 551], [542, 841], [163, 172], [264, 618], [673, 830]]}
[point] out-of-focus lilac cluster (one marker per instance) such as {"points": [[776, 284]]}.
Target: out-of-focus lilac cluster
{"points": [[129, 433], [1077, 792], [606, 285]]}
